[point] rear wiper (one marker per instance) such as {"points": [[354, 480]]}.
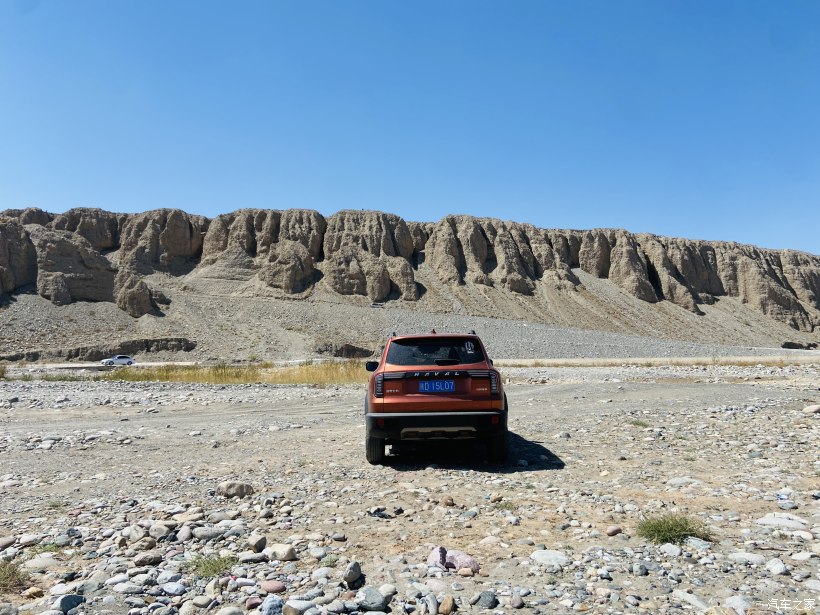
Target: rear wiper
{"points": [[447, 361]]}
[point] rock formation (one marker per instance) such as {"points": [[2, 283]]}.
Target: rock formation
{"points": [[93, 255]]}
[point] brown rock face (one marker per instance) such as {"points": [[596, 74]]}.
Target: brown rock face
{"points": [[32, 215], [354, 272], [594, 254], [666, 276], [628, 268], [756, 278], [100, 228], [163, 239], [68, 267], [368, 253], [379, 256], [18, 260], [280, 248], [289, 266], [370, 231]]}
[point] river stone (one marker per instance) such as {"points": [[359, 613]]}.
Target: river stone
{"points": [[669, 549], [742, 557], [282, 552], [487, 600], [272, 605], [373, 600], [546, 557], [783, 521], [272, 587], [67, 602], [174, 589], [149, 558], [208, 533], [41, 563], [776, 567], [447, 606], [352, 573], [738, 603], [297, 607], [695, 601], [234, 489]]}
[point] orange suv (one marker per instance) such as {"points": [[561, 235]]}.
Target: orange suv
{"points": [[434, 387]]}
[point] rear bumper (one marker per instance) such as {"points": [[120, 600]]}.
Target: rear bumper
{"points": [[435, 425]]}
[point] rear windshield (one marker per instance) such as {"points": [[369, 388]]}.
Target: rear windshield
{"points": [[440, 351]]}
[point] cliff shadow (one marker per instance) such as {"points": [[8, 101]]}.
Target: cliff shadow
{"points": [[472, 455], [7, 299]]}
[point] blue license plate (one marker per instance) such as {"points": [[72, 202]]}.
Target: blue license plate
{"points": [[437, 386]]}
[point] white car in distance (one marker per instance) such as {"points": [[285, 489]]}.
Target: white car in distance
{"points": [[120, 359]]}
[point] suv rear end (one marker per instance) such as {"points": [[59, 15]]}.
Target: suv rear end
{"points": [[434, 387]]}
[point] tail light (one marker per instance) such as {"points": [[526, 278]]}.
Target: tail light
{"points": [[379, 386], [493, 382]]}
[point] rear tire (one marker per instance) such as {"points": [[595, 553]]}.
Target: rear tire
{"points": [[374, 450], [130, 363], [497, 449]]}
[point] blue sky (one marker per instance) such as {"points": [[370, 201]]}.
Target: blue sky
{"points": [[697, 119]]}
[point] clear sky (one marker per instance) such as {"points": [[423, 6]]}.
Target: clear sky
{"points": [[695, 119]]}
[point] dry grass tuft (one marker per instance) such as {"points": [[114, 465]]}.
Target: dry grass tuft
{"points": [[2, 370], [319, 374], [13, 578], [672, 527]]}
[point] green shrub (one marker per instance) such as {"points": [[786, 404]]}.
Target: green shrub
{"points": [[672, 527], [209, 565]]}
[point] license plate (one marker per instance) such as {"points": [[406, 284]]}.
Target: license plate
{"points": [[437, 386]]}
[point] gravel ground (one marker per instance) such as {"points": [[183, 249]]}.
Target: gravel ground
{"points": [[229, 328], [111, 490]]}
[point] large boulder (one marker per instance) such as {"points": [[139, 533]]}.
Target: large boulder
{"points": [[134, 295]]}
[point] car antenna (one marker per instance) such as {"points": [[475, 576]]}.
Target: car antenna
{"points": [[432, 331], [472, 331]]}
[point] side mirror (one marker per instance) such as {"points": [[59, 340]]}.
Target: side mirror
{"points": [[371, 366], [491, 362]]}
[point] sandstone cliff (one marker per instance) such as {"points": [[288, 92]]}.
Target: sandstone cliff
{"points": [[93, 255]]}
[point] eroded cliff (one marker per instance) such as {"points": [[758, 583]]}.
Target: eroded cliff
{"points": [[93, 255]]}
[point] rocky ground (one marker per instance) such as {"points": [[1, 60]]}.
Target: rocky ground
{"points": [[228, 327], [114, 496]]}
